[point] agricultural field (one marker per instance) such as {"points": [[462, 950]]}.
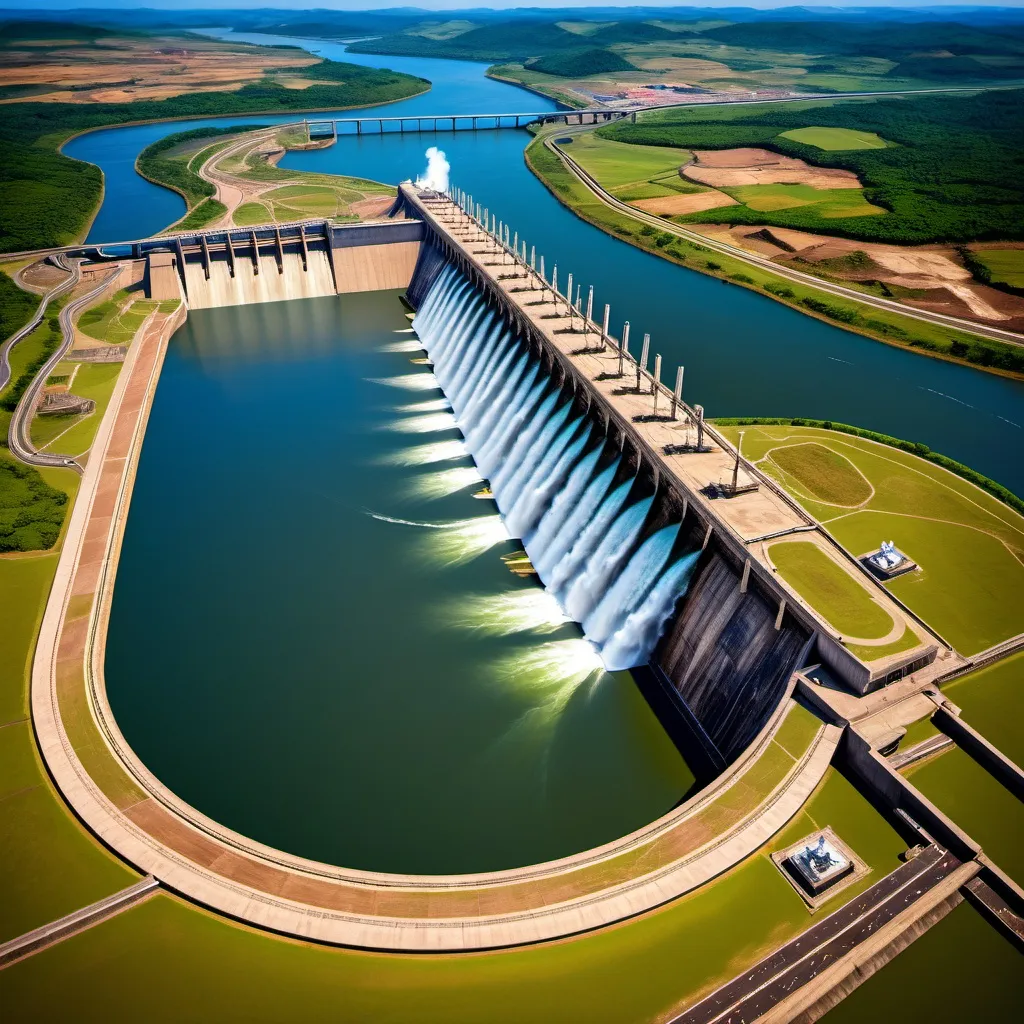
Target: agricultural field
{"points": [[1005, 266], [631, 172], [944, 174], [835, 139], [968, 545], [826, 203]]}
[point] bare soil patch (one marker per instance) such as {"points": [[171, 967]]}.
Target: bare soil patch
{"points": [[933, 272], [131, 69], [722, 168], [695, 202]]}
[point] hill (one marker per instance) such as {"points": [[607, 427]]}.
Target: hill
{"points": [[580, 63]]}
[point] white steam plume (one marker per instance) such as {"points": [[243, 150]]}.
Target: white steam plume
{"points": [[436, 176]]}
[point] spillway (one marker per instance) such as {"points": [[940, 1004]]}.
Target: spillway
{"points": [[268, 278], [584, 517]]}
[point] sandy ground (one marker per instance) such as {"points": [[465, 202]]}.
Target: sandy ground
{"points": [[932, 270], [693, 203], [130, 69], [373, 207], [749, 166]]}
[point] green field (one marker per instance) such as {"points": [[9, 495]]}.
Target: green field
{"points": [[969, 546], [95, 381], [630, 972], [835, 139], [827, 203], [51, 866], [1006, 266], [116, 320], [617, 165], [830, 590], [987, 811], [991, 700], [822, 473]]}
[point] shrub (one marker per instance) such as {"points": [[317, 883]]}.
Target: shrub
{"points": [[31, 511], [712, 265]]}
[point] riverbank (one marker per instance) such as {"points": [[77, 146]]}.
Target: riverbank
{"points": [[582, 194], [35, 134]]}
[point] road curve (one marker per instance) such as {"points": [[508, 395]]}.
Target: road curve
{"points": [[37, 319], [19, 437], [763, 263]]}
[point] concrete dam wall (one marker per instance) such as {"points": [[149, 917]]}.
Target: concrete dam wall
{"points": [[271, 264], [616, 545]]}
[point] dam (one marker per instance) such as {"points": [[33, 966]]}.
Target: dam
{"points": [[534, 760]]}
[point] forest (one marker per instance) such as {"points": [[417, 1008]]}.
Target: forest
{"points": [[954, 171]]}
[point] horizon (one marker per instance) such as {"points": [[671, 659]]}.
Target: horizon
{"points": [[353, 6]]}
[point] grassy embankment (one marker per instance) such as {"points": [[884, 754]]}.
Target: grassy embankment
{"points": [[629, 972], [51, 865], [48, 198], [968, 545], [881, 325], [839, 597]]}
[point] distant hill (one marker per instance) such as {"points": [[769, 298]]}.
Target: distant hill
{"points": [[580, 63]]}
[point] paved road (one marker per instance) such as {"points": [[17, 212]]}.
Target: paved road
{"points": [[19, 436], [5, 348], [798, 962], [763, 263]]}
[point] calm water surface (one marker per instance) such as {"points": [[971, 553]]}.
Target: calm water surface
{"points": [[744, 354], [311, 604]]}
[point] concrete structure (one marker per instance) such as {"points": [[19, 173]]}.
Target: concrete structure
{"points": [[128, 808], [664, 444], [331, 128]]}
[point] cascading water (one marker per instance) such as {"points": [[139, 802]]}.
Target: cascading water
{"points": [[552, 477]]}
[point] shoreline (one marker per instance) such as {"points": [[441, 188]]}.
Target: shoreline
{"points": [[726, 279], [83, 234]]}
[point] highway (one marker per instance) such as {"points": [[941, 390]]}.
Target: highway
{"points": [[779, 270], [800, 961], [19, 437]]}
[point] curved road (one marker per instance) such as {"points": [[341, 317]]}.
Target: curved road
{"points": [[5, 348], [19, 438], [763, 263]]}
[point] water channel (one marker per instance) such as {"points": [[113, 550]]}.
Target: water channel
{"points": [[439, 715]]}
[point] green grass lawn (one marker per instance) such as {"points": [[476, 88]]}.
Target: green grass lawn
{"points": [[991, 700], [987, 811], [1005, 265], [95, 381], [968, 544], [824, 474], [116, 320], [50, 865], [634, 971], [250, 214], [618, 164], [966, 584], [828, 203], [873, 652], [830, 590], [835, 139]]}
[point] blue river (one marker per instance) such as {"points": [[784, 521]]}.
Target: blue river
{"points": [[744, 354]]}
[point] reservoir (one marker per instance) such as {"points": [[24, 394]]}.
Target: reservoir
{"points": [[314, 639]]}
